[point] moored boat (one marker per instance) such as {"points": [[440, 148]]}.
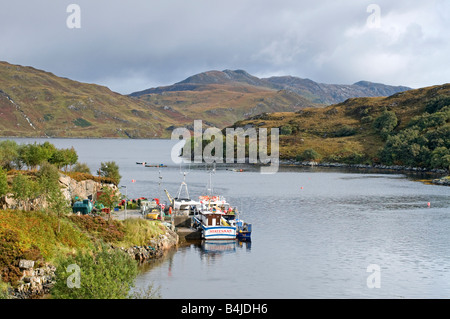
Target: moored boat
{"points": [[213, 225]]}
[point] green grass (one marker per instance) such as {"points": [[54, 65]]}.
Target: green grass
{"points": [[139, 232]]}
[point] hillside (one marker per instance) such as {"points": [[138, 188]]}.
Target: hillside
{"points": [[35, 103], [409, 128], [38, 103], [309, 91]]}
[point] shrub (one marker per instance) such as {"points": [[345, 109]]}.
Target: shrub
{"points": [[385, 123], [308, 155], [112, 231], [110, 170], [345, 131], [437, 103], [81, 168], [286, 130], [105, 274], [10, 251]]}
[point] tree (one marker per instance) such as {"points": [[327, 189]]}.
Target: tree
{"points": [[8, 153], [109, 198], [24, 190], [64, 158], [440, 158], [48, 178], [385, 123], [33, 155], [111, 170], [105, 274], [58, 204], [81, 168]]}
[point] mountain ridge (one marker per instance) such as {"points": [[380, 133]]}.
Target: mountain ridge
{"points": [[319, 93]]}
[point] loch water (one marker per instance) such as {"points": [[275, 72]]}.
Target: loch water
{"points": [[317, 233]]}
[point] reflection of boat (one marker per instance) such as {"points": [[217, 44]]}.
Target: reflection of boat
{"points": [[221, 246]]}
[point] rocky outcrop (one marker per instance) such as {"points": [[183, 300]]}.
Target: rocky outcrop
{"points": [[81, 189], [445, 181], [35, 282], [155, 248], [70, 188]]}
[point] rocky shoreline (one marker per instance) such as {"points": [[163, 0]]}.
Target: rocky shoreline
{"points": [[398, 168], [364, 166]]}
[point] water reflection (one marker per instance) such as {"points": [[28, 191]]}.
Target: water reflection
{"points": [[215, 248]]}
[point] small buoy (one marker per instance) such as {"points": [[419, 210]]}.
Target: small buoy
{"points": [[429, 204], [301, 187]]}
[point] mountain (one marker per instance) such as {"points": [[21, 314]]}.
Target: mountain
{"points": [[221, 98], [315, 93], [410, 128], [36, 103]]}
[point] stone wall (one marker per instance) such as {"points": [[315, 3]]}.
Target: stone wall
{"points": [[35, 282]]}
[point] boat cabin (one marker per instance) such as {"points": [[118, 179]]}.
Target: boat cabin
{"points": [[212, 219]]}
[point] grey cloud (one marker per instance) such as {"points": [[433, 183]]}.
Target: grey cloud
{"points": [[133, 45]]}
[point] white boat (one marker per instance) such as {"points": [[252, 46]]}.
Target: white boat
{"points": [[213, 225], [182, 204], [210, 217]]}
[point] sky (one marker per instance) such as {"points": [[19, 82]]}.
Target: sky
{"points": [[133, 45]]}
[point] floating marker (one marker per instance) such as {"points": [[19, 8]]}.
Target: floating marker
{"points": [[429, 204], [301, 187]]}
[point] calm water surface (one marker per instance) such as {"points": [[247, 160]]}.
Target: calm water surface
{"points": [[315, 231]]}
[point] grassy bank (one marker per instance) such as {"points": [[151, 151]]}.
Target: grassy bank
{"points": [[45, 238]]}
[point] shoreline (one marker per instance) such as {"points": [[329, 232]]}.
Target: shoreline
{"points": [[397, 168]]}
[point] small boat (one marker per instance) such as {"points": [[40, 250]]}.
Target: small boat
{"points": [[243, 229], [160, 165]]}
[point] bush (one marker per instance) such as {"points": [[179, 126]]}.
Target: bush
{"points": [[10, 252], [105, 274], [385, 123], [437, 103], [286, 130], [81, 168], [110, 170], [112, 231], [308, 155], [345, 131]]}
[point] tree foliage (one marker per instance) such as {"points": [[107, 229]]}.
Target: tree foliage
{"points": [[111, 170], [385, 123], [107, 274]]}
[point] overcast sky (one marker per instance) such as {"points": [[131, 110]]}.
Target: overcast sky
{"points": [[137, 44]]}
